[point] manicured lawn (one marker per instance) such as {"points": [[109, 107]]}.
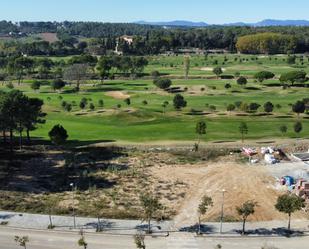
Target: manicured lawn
{"points": [[142, 123]]}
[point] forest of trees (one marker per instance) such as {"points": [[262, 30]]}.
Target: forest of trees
{"points": [[266, 43], [19, 113], [100, 38]]}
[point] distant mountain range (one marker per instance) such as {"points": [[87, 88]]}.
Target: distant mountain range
{"points": [[264, 23]]}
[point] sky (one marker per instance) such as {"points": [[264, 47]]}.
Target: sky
{"points": [[210, 11]]}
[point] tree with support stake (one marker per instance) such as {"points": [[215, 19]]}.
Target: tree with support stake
{"points": [[99, 205], [200, 130], [51, 202], [205, 204], [245, 210], [150, 205]]}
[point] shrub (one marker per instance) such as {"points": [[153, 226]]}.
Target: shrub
{"points": [[35, 85], [227, 86], [162, 83], [179, 102], [268, 107], [155, 74], [264, 75], [57, 84], [91, 106], [58, 135], [242, 81], [101, 103], [230, 107]]}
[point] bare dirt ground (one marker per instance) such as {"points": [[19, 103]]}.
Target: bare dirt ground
{"points": [[175, 174], [241, 182], [118, 95], [49, 37]]}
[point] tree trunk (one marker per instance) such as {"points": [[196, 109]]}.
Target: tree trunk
{"points": [[11, 140], [289, 223], [50, 221], [149, 230], [28, 135], [244, 227], [198, 142], [199, 225], [4, 136], [99, 225], [20, 139]]}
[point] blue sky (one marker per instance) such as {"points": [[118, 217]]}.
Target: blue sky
{"points": [[210, 11]]}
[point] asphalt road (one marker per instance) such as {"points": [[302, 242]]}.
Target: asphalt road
{"points": [[68, 240]]}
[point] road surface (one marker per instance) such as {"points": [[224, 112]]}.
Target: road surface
{"points": [[68, 240]]}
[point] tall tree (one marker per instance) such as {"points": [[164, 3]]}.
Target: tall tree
{"points": [[77, 72], [34, 115], [104, 66]]}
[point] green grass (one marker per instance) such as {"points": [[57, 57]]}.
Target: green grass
{"points": [[146, 123]]}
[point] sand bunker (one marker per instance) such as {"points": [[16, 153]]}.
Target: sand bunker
{"points": [[210, 69], [118, 95]]}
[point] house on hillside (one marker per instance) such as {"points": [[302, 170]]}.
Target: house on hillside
{"points": [[127, 38]]}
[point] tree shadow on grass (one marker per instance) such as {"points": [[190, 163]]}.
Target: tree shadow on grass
{"points": [[105, 89], [37, 170], [69, 144]]}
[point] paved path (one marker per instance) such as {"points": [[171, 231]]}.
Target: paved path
{"points": [[38, 221]]}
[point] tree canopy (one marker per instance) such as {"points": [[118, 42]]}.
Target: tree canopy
{"points": [[266, 43]]}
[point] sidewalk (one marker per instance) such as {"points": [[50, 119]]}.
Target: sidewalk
{"points": [[66, 223]]}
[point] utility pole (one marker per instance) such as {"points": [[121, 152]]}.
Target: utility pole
{"points": [[222, 210], [73, 205]]}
